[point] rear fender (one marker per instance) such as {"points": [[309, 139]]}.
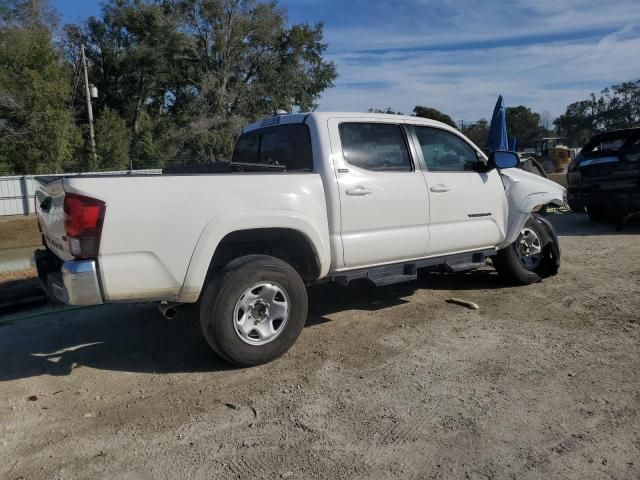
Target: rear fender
{"points": [[219, 227]]}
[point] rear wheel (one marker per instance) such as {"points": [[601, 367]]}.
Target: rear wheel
{"points": [[522, 261], [253, 310]]}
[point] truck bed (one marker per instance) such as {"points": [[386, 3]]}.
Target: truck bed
{"points": [[156, 226]]}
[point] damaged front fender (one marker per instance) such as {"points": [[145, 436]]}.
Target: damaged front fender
{"points": [[525, 192]]}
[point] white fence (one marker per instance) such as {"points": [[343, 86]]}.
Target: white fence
{"points": [[16, 193]]}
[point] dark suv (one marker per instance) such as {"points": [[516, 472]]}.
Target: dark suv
{"points": [[604, 178]]}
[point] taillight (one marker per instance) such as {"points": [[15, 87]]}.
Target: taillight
{"points": [[83, 217]]}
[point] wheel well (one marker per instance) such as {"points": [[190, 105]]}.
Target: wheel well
{"points": [[289, 245]]}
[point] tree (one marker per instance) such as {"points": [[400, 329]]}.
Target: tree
{"points": [[617, 107], [37, 132], [112, 141], [433, 114], [523, 124], [187, 74], [545, 120], [622, 106], [580, 121], [388, 110], [477, 132], [243, 62]]}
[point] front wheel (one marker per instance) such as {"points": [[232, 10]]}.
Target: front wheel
{"points": [[253, 310], [522, 261]]}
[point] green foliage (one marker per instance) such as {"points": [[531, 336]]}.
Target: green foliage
{"points": [[112, 141], [477, 132], [433, 114], [197, 70], [616, 107], [523, 124], [388, 110], [177, 80], [37, 131]]}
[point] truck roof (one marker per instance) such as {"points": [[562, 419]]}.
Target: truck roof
{"points": [[321, 116]]}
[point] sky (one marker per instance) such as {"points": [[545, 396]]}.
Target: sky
{"points": [[459, 55]]}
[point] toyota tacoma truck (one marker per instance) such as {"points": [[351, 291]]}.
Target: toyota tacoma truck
{"points": [[306, 198]]}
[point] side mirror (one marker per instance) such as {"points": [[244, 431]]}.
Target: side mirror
{"points": [[501, 159]]}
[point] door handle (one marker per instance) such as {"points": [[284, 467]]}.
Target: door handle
{"points": [[359, 191], [439, 188]]}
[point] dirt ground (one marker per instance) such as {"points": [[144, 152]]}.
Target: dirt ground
{"points": [[542, 382], [19, 231]]}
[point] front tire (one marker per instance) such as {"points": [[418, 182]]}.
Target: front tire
{"points": [[253, 310], [522, 262]]}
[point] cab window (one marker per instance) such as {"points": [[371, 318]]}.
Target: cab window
{"points": [[375, 146], [445, 152], [285, 145]]}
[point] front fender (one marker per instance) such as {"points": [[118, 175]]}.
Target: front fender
{"points": [[525, 191], [222, 225]]}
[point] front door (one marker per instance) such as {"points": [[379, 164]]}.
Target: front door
{"points": [[468, 206], [383, 196]]}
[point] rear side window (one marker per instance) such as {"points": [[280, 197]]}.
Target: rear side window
{"points": [[286, 145], [375, 146]]}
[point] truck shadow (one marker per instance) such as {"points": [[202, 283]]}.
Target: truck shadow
{"points": [[136, 338], [579, 225], [131, 338]]}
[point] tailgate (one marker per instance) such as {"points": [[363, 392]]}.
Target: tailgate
{"points": [[49, 199]]}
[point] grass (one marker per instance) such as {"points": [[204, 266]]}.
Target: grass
{"points": [[18, 232]]}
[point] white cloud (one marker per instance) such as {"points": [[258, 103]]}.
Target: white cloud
{"points": [[465, 82]]}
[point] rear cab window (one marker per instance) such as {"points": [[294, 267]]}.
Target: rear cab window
{"points": [[286, 145], [612, 144]]}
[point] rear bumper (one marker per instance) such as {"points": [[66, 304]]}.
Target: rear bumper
{"points": [[73, 282]]}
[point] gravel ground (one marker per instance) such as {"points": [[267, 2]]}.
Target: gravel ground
{"points": [[542, 381]]}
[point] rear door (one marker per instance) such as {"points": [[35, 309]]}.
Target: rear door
{"points": [[383, 196], [468, 207]]}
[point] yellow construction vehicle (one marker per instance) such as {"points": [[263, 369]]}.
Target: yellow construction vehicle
{"points": [[553, 154]]}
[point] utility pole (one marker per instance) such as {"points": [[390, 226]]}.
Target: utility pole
{"points": [[87, 92]]}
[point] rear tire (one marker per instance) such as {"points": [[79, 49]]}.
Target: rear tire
{"points": [[253, 310], [522, 262]]}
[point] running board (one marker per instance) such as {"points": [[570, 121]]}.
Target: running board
{"points": [[407, 271]]}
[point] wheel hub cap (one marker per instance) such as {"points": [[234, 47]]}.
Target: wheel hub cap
{"points": [[261, 313], [529, 248]]}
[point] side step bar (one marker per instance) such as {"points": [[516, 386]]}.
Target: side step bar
{"points": [[404, 272]]}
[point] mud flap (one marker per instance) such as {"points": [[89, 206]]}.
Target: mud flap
{"points": [[550, 247]]}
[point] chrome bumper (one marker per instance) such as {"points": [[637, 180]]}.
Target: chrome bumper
{"points": [[72, 282]]}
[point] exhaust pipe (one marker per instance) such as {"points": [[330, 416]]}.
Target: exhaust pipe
{"points": [[168, 310]]}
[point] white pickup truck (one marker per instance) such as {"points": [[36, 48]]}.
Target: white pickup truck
{"points": [[306, 198]]}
